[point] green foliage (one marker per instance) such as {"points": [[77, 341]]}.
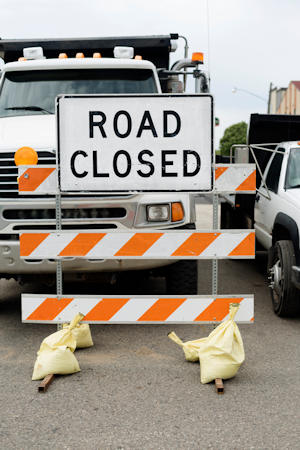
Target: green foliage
{"points": [[235, 134]]}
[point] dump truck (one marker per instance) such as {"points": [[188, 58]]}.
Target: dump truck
{"points": [[274, 211], [33, 74]]}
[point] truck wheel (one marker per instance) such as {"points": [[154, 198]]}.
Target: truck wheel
{"points": [[182, 278], [285, 296]]}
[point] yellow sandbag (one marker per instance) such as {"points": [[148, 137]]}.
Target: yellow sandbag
{"points": [[55, 355], [82, 335], [60, 361], [62, 337], [222, 352], [190, 348]]}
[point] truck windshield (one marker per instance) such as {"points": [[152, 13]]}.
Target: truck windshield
{"points": [[34, 92], [293, 169]]}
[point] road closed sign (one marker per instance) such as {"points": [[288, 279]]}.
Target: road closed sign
{"points": [[139, 143]]}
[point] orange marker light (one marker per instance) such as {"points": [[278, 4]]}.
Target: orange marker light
{"points": [[22, 58], [97, 55], [26, 156], [177, 212], [138, 57], [79, 55], [198, 56], [62, 56]]}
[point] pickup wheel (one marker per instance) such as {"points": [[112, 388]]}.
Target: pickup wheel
{"points": [[285, 296], [182, 278]]}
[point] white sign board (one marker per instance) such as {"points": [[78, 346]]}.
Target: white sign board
{"points": [[117, 143]]}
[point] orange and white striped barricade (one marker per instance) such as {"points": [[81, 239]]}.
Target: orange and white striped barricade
{"points": [[135, 309], [229, 178], [154, 244], [183, 244], [78, 172], [235, 178], [37, 180]]}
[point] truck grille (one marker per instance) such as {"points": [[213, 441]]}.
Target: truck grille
{"points": [[9, 172]]}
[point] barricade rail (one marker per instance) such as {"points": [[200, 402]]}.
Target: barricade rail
{"points": [[171, 244], [135, 309], [229, 178]]}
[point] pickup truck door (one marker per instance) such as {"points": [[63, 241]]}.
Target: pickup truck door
{"points": [[266, 207]]}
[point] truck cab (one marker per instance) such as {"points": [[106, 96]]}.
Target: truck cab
{"points": [[28, 89], [274, 211], [277, 225]]}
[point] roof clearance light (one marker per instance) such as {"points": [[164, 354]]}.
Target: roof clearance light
{"points": [[33, 53], [198, 56], [62, 56], [79, 55], [26, 156], [138, 57], [124, 52], [22, 58], [97, 55]]}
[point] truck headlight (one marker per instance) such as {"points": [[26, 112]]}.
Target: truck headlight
{"points": [[158, 213]]}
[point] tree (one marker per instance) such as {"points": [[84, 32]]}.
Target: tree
{"points": [[235, 134]]}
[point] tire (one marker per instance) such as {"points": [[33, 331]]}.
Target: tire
{"points": [[285, 296], [182, 278]]}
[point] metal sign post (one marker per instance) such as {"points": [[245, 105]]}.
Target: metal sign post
{"points": [[215, 261]]}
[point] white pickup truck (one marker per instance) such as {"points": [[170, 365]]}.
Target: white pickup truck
{"points": [[275, 210], [277, 223], [28, 88]]}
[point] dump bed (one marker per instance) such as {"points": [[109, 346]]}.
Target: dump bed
{"points": [[152, 48], [271, 128], [266, 129]]}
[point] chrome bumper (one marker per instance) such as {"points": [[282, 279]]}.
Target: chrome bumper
{"points": [[10, 263], [134, 217]]}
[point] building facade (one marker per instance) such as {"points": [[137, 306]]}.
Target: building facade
{"points": [[285, 100]]}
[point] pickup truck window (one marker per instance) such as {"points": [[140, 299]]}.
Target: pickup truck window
{"points": [[292, 180], [34, 92], [273, 174]]}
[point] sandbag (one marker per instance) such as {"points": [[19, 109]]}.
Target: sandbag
{"points": [[55, 355], [62, 337], [81, 334], [59, 361], [190, 348], [220, 354]]}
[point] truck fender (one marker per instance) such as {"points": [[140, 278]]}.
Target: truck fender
{"points": [[286, 228]]}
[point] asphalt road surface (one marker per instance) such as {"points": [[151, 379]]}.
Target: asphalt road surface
{"points": [[136, 391]]}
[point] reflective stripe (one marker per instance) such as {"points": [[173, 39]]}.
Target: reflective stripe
{"points": [[143, 245], [228, 178], [137, 309]]}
